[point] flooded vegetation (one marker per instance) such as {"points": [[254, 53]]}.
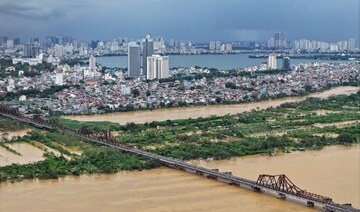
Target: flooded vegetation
{"points": [[331, 172], [27, 154], [290, 127]]}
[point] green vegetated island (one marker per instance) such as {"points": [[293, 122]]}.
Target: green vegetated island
{"points": [[310, 124]]}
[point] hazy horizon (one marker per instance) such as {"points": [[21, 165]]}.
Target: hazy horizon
{"points": [[199, 21]]}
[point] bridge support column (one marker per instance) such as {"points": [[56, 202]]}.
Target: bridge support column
{"points": [[310, 204], [281, 196], [257, 189]]}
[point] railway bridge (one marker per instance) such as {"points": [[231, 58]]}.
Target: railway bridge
{"points": [[278, 185]]}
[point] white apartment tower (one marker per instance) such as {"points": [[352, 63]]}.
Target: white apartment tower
{"points": [[157, 67], [272, 61], [59, 50], [92, 63], [59, 79], [351, 45], [228, 47], [212, 45]]}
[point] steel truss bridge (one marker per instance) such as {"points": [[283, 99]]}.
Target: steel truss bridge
{"points": [[280, 185]]}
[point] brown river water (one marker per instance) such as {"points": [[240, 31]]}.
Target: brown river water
{"points": [[333, 172], [29, 154], [204, 111]]}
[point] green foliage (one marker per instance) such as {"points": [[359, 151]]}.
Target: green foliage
{"points": [[36, 70], [7, 124], [34, 93], [291, 126], [135, 93], [98, 126], [230, 135], [93, 160], [345, 138], [9, 149], [231, 85]]}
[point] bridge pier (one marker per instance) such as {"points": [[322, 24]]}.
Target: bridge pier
{"points": [[257, 189], [282, 196], [310, 204], [265, 182], [209, 176]]}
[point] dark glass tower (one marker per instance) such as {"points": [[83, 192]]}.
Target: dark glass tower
{"points": [[286, 64], [148, 50]]}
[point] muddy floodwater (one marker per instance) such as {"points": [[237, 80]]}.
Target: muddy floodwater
{"points": [[334, 172], [12, 134], [29, 154], [204, 111]]}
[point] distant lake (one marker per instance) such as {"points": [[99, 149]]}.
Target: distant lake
{"points": [[224, 62]]}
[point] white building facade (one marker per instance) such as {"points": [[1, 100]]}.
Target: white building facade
{"points": [[272, 62], [92, 63], [157, 67]]}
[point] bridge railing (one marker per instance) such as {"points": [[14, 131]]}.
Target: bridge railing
{"points": [[278, 183]]}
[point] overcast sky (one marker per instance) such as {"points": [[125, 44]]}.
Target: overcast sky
{"points": [[197, 20]]}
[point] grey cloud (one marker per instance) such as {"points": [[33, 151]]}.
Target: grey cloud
{"points": [[27, 11], [39, 9], [197, 20]]}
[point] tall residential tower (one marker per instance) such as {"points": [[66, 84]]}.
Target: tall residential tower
{"points": [[92, 63], [272, 62], [134, 60], [157, 67], [280, 42], [148, 50]]}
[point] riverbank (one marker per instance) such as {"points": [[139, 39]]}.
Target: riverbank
{"points": [[221, 62], [289, 127], [331, 172], [292, 126], [140, 117]]}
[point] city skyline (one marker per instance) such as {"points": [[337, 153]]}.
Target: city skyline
{"points": [[198, 21]]}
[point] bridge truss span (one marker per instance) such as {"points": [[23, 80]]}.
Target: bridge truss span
{"points": [[275, 183]]}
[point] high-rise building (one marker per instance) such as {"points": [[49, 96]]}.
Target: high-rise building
{"points": [[92, 63], [28, 50], [286, 64], [218, 45], [272, 62], [66, 39], [134, 60], [3, 40], [172, 43], [271, 43], [36, 51], [148, 50], [159, 46], [157, 67], [34, 40], [222, 48], [17, 41], [9, 44], [75, 44], [351, 45], [59, 50], [93, 44], [280, 42], [212, 45], [228, 47]]}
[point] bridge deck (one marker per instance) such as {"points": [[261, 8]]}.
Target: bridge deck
{"points": [[178, 164]]}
